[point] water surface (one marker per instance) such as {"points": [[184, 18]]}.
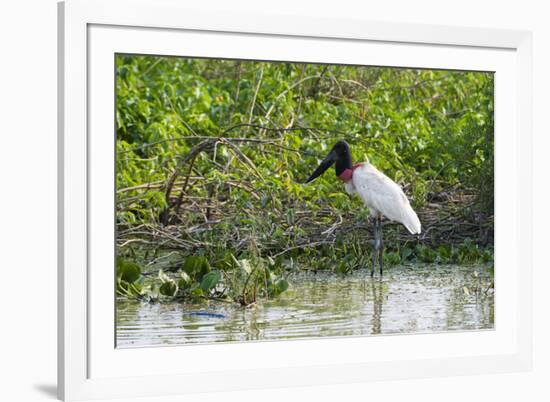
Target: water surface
{"points": [[407, 299]]}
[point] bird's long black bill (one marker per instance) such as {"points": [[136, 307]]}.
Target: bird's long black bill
{"points": [[325, 164]]}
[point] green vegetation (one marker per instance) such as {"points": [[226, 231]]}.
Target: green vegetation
{"points": [[211, 155]]}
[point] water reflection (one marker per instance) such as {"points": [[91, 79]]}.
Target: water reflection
{"points": [[377, 300], [405, 300]]}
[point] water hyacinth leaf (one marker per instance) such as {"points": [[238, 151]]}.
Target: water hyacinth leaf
{"points": [[210, 280], [169, 288], [203, 266], [184, 281], [196, 266], [131, 290], [273, 290], [282, 284], [189, 265], [278, 287], [128, 271], [136, 289]]}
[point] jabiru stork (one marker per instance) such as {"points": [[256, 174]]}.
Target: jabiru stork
{"points": [[381, 195]]}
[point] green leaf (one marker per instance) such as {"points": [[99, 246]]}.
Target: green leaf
{"points": [[128, 271], [210, 280], [169, 288], [282, 284], [278, 287], [185, 281], [196, 266], [189, 265], [405, 253]]}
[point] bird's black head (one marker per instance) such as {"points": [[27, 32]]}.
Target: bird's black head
{"points": [[340, 154]]}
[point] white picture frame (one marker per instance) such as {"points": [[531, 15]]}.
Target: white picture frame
{"points": [[90, 32]]}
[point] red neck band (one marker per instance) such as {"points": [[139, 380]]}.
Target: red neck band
{"points": [[347, 174]]}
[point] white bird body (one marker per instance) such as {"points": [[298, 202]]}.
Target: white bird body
{"points": [[382, 196]]}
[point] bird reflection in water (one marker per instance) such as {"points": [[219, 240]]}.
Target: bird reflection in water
{"points": [[378, 295]]}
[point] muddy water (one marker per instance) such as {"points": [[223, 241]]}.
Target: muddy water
{"points": [[408, 299]]}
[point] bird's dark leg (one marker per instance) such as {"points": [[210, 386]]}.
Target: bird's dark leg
{"points": [[381, 245], [376, 245]]}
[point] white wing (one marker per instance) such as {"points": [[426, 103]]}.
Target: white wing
{"points": [[383, 195]]}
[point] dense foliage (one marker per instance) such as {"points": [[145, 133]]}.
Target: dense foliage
{"points": [[211, 156]]}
